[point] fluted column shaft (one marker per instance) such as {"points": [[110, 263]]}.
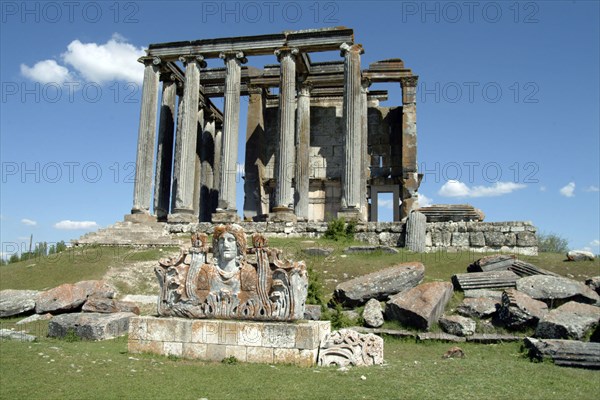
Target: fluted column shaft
{"points": [[184, 196], [352, 171], [231, 118], [217, 166], [410, 176], [287, 114], [142, 187], [164, 151], [255, 130], [364, 144], [302, 179]]}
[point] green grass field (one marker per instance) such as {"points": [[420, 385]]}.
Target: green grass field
{"points": [[60, 369]]}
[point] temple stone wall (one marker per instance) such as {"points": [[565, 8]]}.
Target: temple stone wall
{"points": [[479, 237], [326, 152]]}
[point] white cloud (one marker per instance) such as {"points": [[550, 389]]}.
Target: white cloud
{"points": [[595, 243], [568, 190], [47, 71], [385, 204], [99, 63], [592, 189], [74, 225], [424, 201], [28, 222], [543, 188], [113, 60], [454, 188]]}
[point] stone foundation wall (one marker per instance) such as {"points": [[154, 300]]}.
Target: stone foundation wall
{"points": [[214, 340], [481, 237]]}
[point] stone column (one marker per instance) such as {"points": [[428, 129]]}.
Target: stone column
{"points": [[217, 166], [177, 154], [226, 210], [302, 179], [198, 162], [164, 151], [142, 187], [285, 154], [254, 142], [410, 178], [352, 115], [207, 158], [365, 173], [186, 142]]}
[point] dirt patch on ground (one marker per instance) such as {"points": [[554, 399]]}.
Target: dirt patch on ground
{"points": [[135, 277]]}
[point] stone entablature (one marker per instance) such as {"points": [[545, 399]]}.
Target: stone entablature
{"points": [[215, 340]]}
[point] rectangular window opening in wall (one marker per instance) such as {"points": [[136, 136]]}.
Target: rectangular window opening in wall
{"points": [[385, 207]]}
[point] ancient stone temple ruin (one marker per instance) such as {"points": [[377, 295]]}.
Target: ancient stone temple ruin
{"points": [[318, 143]]}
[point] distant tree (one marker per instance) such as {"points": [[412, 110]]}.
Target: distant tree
{"points": [[61, 246], [14, 258], [552, 243], [3, 261]]}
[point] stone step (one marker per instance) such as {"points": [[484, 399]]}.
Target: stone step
{"points": [[452, 212]]}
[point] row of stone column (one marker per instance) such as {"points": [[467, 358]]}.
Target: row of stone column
{"points": [[182, 195]]}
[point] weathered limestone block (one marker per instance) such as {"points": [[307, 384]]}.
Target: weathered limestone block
{"points": [[477, 239], [518, 310], [566, 353], [494, 239], [570, 321], [460, 239], [491, 294], [594, 283], [213, 340], [104, 305], [477, 307], [16, 335], [373, 314], [526, 239], [554, 290], [146, 303], [91, 326], [457, 325], [420, 306], [65, 297], [347, 347], [318, 251], [15, 302], [485, 280], [494, 262], [580, 255], [379, 285], [35, 318], [312, 312]]}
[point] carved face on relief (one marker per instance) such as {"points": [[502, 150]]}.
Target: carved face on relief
{"points": [[227, 247]]}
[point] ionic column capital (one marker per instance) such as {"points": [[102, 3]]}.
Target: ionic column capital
{"points": [[147, 60], [304, 88], [197, 58], [237, 55], [346, 48], [409, 81], [365, 84], [286, 51]]}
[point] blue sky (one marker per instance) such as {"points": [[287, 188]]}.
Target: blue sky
{"points": [[508, 102]]}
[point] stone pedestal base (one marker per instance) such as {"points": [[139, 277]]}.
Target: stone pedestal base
{"points": [[350, 214], [225, 217], [282, 214], [214, 340], [139, 218], [182, 218]]}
